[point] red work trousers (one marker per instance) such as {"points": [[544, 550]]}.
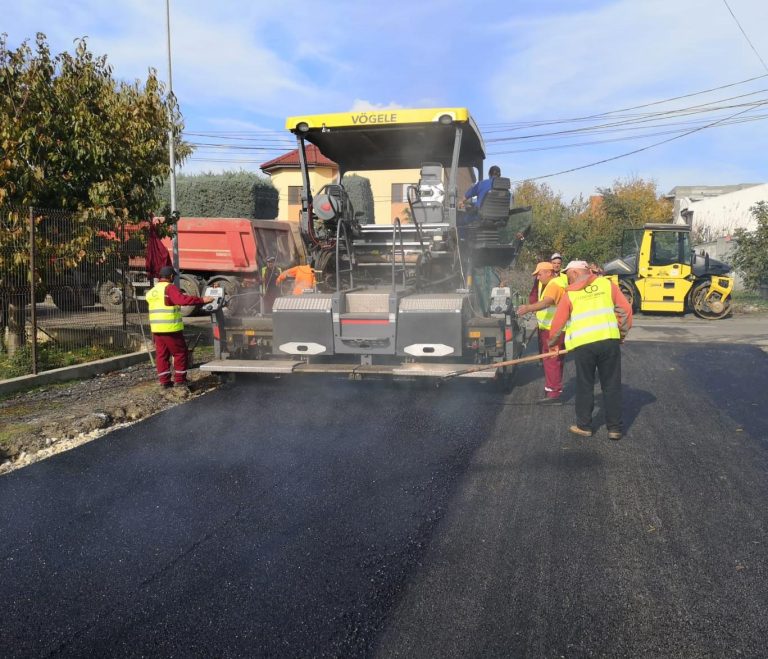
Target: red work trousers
{"points": [[553, 366], [167, 345]]}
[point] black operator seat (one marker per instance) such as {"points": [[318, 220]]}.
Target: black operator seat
{"points": [[430, 193], [496, 203]]}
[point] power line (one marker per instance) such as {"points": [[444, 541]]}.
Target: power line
{"points": [[516, 126], [645, 148], [765, 66]]}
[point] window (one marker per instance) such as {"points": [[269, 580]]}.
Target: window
{"points": [[400, 193], [294, 194], [670, 247]]}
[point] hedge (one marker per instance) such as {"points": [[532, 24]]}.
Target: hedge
{"points": [[231, 194]]}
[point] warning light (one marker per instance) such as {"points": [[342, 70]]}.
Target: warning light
{"points": [[326, 206]]}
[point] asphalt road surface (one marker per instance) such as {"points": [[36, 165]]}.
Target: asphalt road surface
{"points": [[307, 517]]}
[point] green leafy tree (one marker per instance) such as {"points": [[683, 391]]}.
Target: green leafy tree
{"points": [[628, 204], [750, 256], [551, 220], [73, 138]]}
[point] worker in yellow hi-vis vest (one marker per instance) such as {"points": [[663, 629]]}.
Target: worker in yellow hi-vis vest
{"points": [[550, 290], [595, 316], [165, 322]]}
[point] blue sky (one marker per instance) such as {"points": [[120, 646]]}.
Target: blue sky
{"points": [[239, 68]]}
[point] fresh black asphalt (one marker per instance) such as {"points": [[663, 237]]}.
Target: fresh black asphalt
{"points": [[319, 517]]}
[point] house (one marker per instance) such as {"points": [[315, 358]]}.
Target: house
{"points": [[684, 197], [389, 187], [715, 217]]}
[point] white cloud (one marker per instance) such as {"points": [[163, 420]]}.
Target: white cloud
{"points": [[361, 105]]}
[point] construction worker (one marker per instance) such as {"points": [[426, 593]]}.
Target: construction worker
{"points": [[165, 322], [476, 192], [549, 294], [270, 289], [595, 317], [557, 261], [303, 278]]}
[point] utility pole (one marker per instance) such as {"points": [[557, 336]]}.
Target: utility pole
{"points": [[171, 146]]}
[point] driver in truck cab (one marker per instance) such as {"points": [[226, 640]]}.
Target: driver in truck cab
{"points": [[303, 278]]}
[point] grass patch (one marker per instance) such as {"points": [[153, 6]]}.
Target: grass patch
{"points": [[749, 301], [49, 357]]}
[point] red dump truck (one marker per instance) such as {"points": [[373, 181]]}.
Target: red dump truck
{"points": [[224, 251]]}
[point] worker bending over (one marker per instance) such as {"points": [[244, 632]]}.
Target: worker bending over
{"points": [[595, 317], [550, 291], [165, 322], [303, 278]]}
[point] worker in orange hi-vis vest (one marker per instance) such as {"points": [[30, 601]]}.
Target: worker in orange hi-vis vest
{"points": [[303, 278]]}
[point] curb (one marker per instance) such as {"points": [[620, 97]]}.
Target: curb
{"points": [[76, 372]]}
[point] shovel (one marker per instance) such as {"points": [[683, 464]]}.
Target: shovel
{"points": [[511, 362]]}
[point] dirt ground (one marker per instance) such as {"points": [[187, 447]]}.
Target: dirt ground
{"points": [[42, 422]]}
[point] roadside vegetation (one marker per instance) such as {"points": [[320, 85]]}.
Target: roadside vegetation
{"points": [[49, 357], [750, 256], [588, 229]]}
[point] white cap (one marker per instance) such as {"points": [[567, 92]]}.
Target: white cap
{"points": [[556, 255], [576, 265]]}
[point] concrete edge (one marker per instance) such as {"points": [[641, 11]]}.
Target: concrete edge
{"points": [[76, 372]]}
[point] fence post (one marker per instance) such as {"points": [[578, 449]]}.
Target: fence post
{"points": [[33, 287], [124, 275]]}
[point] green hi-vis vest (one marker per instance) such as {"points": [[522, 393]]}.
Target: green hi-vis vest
{"points": [[544, 316], [163, 319], [592, 316]]}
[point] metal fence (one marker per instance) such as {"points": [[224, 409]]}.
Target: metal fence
{"points": [[63, 285]]}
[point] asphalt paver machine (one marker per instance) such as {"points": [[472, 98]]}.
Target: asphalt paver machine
{"points": [[410, 299]]}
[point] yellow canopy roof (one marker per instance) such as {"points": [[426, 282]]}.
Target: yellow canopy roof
{"points": [[392, 139]]}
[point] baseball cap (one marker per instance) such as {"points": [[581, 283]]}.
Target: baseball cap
{"points": [[543, 265], [166, 272], [576, 265], [556, 255], [270, 258]]}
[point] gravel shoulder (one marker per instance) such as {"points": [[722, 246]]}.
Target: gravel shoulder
{"points": [[43, 422]]}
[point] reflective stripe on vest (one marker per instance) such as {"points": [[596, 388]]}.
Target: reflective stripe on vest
{"points": [[592, 316], [163, 318], [544, 316]]}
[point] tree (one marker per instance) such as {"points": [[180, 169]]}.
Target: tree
{"points": [[74, 139], [596, 233], [551, 221], [750, 256]]}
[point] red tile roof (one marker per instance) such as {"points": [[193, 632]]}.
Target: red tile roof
{"points": [[291, 159]]}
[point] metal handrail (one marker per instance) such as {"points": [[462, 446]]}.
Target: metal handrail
{"points": [[397, 232], [341, 227]]}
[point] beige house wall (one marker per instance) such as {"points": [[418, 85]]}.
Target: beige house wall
{"points": [[286, 177], [385, 208]]}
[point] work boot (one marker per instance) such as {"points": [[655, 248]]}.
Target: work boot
{"points": [[581, 432], [549, 401], [615, 435], [166, 385]]}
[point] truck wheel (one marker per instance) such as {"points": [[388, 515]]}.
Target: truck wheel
{"points": [[190, 286], [629, 291], [111, 297], [66, 297], [713, 309]]}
